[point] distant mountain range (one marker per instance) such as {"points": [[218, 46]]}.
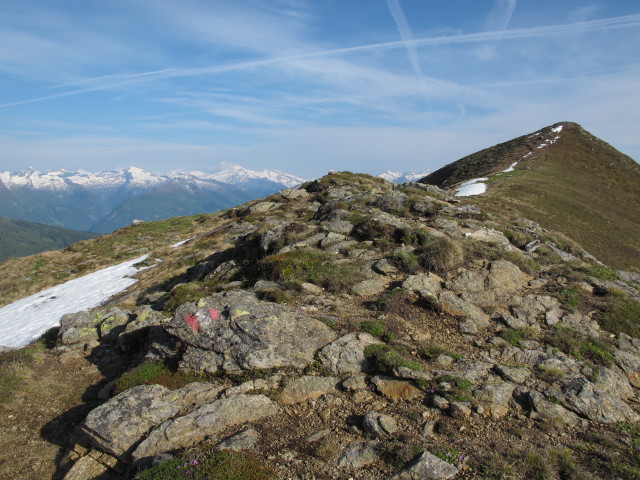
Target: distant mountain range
{"points": [[403, 177], [105, 201]]}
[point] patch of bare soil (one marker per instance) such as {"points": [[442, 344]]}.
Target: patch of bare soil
{"points": [[38, 423]]}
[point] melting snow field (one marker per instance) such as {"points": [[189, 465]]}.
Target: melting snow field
{"points": [[25, 320], [472, 187]]}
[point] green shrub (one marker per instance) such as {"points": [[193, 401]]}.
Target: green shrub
{"points": [[204, 465], [515, 336], [413, 236], [571, 295], [386, 358], [459, 390], [441, 254], [307, 265], [407, 262]]}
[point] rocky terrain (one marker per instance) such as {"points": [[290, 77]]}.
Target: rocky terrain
{"points": [[352, 328]]}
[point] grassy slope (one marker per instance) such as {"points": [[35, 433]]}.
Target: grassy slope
{"points": [[20, 237], [580, 186], [27, 275]]}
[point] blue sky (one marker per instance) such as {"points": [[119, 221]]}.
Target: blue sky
{"points": [[304, 86]]}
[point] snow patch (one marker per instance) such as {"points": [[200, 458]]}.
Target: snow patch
{"points": [[25, 320], [176, 245], [472, 187], [511, 168], [558, 129]]}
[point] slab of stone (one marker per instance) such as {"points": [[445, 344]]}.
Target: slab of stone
{"points": [[473, 319], [86, 468], [581, 396], [307, 388], [118, 424], [373, 286], [551, 410], [396, 389], [205, 421], [430, 284]]}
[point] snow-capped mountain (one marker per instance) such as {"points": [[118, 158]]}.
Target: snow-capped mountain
{"points": [[403, 177], [104, 201], [238, 175]]}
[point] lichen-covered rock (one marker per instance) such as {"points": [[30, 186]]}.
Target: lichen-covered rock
{"points": [[239, 332], [630, 364], [86, 468], [79, 328], [346, 354], [205, 421], [426, 466]]}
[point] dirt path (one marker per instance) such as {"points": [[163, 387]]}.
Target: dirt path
{"points": [[38, 423]]}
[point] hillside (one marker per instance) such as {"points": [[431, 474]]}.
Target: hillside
{"points": [[347, 328], [19, 238], [566, 180]]}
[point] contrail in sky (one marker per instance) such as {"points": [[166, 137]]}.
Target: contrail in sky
{"points": [[497, 21], [405, 34], [120, 80]]}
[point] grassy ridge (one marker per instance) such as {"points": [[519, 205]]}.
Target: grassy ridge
{"points": [[580, 186]]}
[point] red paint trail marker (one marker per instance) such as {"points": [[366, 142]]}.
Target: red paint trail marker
{"points": [[192, 321]]}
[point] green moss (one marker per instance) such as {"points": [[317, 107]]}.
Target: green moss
{"points": [[515, 336], [458, 391]]}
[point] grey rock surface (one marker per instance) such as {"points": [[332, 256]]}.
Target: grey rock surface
{"points": [[346, 354], [117, 425], [307, 388], [239, 332], [205, 421], [426, 466]]}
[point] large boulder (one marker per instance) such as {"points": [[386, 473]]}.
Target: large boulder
{"points": [[117, 425], [208, 420], [235, 331], [473, 319]]}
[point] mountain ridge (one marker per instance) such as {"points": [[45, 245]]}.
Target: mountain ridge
{"points": [[567, 180]]}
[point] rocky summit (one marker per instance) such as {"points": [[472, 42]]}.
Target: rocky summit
{"points": [[356, 329]]}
